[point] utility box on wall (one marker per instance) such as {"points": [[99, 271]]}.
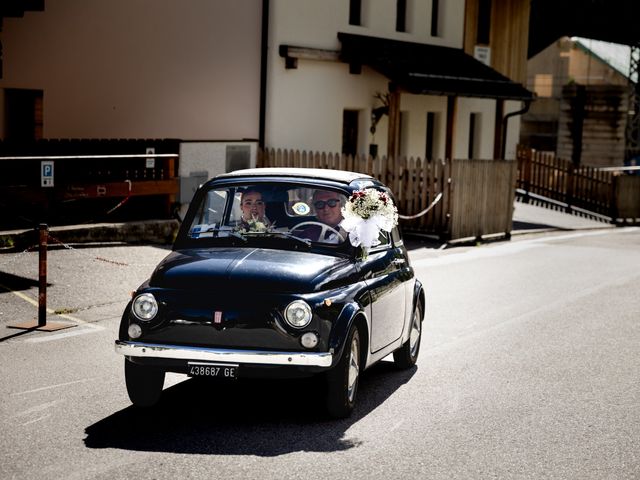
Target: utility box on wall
{"points": [[238, 157], [201, 161], [189, 185]]}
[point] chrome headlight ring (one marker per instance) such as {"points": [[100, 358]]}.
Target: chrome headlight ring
{"points": [[298, 314], [145, 307]]}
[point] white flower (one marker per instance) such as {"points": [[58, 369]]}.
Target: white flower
{"points": [[368, 212], [254, 225]]}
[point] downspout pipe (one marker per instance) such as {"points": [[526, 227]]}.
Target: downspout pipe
{"points": [[505, 119], [264, 48]]}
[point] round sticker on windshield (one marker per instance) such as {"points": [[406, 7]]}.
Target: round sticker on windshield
{"points": [[301, 208]]}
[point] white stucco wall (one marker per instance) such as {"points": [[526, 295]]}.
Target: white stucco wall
{"points": [[140, 68], [417, 107], [513, 129], [305, 105], [315, 23], [487, 110]]}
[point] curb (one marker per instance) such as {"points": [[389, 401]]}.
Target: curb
{"points": [[149, 231]]}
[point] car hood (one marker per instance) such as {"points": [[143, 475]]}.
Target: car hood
{"points": [[265, 270]]}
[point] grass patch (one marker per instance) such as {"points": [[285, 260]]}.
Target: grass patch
{"points": [[65, 311], [6, 242]]}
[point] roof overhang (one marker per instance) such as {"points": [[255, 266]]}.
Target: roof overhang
{"points": [[429, 69]]}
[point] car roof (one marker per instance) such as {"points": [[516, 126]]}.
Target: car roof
{"points": [[341, 176]]}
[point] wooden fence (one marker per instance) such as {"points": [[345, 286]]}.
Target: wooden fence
{"points": [[587, 188], [613, 195], [482, 196], [477, 195], [627, 198]]}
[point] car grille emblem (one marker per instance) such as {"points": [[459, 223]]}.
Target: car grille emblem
{"points": [[217, 317]]}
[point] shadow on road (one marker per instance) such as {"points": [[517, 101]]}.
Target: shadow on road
{"points": [[520, 225], [10, 282], [247, 417]]}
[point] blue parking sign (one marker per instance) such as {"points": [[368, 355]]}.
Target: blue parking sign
{"points": [[46, 173]]}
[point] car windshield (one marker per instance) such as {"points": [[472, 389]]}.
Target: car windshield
{"points": [[296, 213]]}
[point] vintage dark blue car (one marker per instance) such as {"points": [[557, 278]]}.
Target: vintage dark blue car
{"points": [[262, 282]]}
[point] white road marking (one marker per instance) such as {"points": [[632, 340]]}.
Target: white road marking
{"points": [[37, 408], [66, 334], [52, 386], [35, 420], [395, 427], [88, 327]]}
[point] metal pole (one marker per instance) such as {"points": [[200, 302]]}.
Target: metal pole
{"points": [[42, 289]]}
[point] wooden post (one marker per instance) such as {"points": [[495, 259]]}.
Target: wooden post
{"points": [[41, 322], [571, 180], [394, 123], [527, 166], [43, 234]]}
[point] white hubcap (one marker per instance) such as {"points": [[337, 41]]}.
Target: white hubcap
{"points": [[354, 368], [415, 335]]}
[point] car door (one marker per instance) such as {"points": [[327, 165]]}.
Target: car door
{"points": [[383, 272]]}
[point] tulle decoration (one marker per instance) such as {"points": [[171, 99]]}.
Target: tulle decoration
{"points": [[366, 214]]}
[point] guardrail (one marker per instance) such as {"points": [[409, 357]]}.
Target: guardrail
{"points": [[88, 188]]}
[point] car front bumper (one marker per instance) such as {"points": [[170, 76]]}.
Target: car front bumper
{"points": [[203, 354]]}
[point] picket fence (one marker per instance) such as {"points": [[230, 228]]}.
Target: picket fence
{"points": [[610, 195], [588, 188], [477, 195]]}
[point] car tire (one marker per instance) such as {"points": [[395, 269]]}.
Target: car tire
{"points": [[407, 355], [343, 379], [144, 384]]}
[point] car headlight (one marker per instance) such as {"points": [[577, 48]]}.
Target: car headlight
{"points": [[298, 314], [145, 307]]}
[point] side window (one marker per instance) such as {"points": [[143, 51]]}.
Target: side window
{"points": [[210, 214], [236, 211]]}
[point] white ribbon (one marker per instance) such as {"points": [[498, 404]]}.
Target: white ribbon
{"points": [[366, 232]]}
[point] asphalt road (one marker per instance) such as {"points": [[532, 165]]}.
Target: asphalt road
{"points": [[528, 369]]}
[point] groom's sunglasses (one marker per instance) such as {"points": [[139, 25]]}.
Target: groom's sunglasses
{"points": [[320, 204]]}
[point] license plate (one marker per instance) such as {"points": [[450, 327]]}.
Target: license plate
{"points": [[216, 370]]}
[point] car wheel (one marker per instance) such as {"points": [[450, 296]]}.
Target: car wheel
{"points": [[342, 381], [407, 355], [144, 384]]}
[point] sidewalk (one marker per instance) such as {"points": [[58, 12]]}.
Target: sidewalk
{"points": [[528, 218], [141, 232]]}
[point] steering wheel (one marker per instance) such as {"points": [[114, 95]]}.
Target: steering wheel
{"points": [[324, 228]]}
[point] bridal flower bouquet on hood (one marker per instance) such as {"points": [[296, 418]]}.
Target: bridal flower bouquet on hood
{"points": [[366, 214]]}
